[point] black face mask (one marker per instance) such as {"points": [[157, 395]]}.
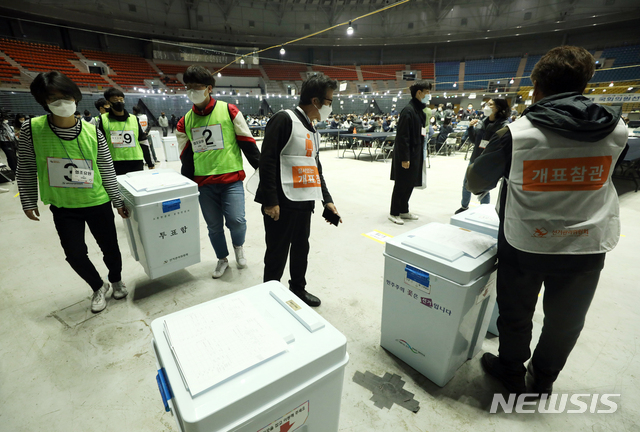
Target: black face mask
{"points": [[117, 106]]}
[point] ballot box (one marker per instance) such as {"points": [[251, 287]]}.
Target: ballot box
{"points": [[257, 360], [438, 291], [163, 229], [170, 146], [156, 141], [483, 219]]}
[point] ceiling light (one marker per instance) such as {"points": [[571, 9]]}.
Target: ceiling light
{"points": [[349, 29], [282, 51], [219, 74], [241, 61]]}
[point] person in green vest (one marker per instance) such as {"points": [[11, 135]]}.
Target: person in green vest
{"points": [[211, 137], [127, 141], [69, 161]]}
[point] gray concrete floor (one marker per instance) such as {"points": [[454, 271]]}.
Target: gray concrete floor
{"points": [[64, 369]]}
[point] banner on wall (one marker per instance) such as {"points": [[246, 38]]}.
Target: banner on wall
{"points": [[615, 98]]}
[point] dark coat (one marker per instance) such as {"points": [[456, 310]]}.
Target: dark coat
{"points": [[409, 144], [484, 130]]}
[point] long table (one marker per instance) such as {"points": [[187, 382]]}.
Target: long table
{"points": [[333, 134], [375, 141]]}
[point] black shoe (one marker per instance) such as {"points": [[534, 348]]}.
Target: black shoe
{"points": [[308, 298], [512, 381], [537, 384], [461, 209]]}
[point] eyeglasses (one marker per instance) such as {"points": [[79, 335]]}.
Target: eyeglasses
{"points": [[330, 101]]}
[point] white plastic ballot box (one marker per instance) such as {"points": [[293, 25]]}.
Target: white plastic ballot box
{"points": [[439, 283], [483, 219], [170, 146], [156, 141], [258, 360], [163, 228]]}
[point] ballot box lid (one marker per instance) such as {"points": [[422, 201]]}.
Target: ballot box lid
{"points": [[452, 252], [312, 348], [483, 219], [146, 187]]}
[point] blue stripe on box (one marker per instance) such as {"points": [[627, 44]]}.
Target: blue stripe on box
{"points": [[417, 275], [172, 205]]}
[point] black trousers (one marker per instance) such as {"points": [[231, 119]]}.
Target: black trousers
{"points": [[164, 131], [289, 235], [146, 153], [400, 197], [70, 224], [127, 166], [566, 301], [9, 151]]}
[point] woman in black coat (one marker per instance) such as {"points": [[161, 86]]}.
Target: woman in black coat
{"points": [[408, 152], [480, 132]]}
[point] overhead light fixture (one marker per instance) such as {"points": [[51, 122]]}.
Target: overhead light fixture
{"points": [[219, 74], [349, 29], [241, 61], [282, 51]]}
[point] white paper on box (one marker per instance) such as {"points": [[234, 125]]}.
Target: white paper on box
{"points": [[220, 341], [452, 237], [484, 218], [151, 182]]}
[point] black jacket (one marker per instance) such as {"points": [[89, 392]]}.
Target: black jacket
{"points": [[409, 144], [572, 116], [270, 191], [484, 130]]}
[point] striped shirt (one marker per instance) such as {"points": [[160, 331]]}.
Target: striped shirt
{"points": [[27, 174]]}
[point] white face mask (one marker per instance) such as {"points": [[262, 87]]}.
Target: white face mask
{"points": [[324, 111], [426, 98], [487, 111], [63, 107], [197, 96]]}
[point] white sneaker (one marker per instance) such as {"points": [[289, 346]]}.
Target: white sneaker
{"points": [[222, 265], [119, 290], [98, 300], [396, 219], [240, 259], [409, 216]]}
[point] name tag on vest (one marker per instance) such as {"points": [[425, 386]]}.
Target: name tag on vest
{"points": [[207, 138], [305, 177], [61, 172], [122, 139], [82, 175]]}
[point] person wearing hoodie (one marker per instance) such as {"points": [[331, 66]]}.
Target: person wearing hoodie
{"points": [[480, 133], [558, 213], [408, 152]]}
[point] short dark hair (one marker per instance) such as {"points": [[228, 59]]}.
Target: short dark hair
{"points": [[47, 82], [564, 69], [87, 113], [316, 87], [503, 108], [77, 113], [198, 75], [100, 103], [111, 92], [136, 109], [447, 121], [419, 85]]}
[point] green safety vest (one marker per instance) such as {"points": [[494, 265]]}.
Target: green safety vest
{"points": [[215, 162], [122, 153], [47, 144]]}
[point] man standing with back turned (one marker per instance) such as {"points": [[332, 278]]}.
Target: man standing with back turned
{"points": [[408, 152], [291, 181], [558, 214]]}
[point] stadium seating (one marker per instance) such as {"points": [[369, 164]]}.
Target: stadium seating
{"points": [[428, 70], [380, 72], [44, 58], [131, 70], [284, 72], [8, 73], [341, 73]]}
